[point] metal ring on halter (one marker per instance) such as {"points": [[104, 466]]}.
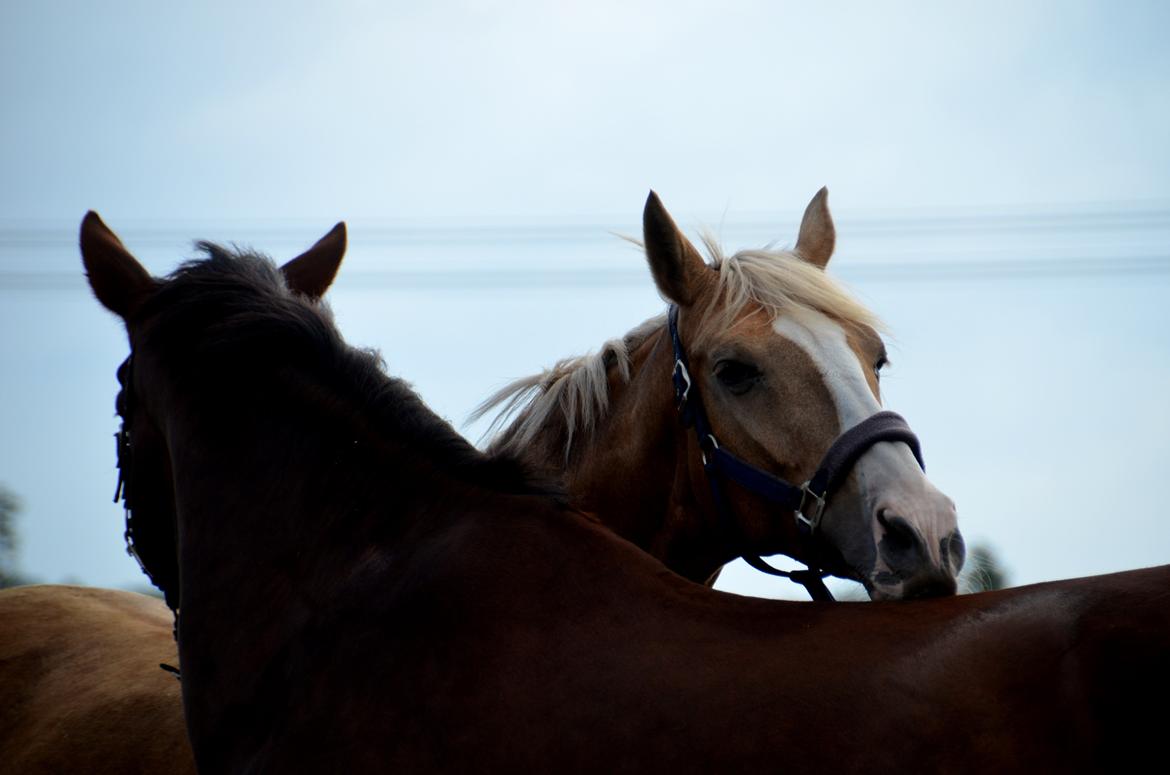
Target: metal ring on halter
{"points": [[680, 369], [703, 452], [818, 509]]}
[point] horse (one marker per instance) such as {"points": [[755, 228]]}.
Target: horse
{"points": [[82, 688], [772, 363], [142, 634], [79, 667], [361, 589]]}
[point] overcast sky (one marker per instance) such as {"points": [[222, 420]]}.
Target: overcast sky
{"points": [[350, 109], [201, 120]]}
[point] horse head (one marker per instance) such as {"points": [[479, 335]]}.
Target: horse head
{"points": [[125, 288], [785, 363]]}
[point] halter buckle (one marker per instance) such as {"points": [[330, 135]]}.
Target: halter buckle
{"points": [[682, 383], [804, 516], [132, 550]]}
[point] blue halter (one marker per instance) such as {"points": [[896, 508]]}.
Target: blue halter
{"points": [[806, 501]]}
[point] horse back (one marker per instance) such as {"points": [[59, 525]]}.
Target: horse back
{"points": [[1119, 658], [82, 687]]}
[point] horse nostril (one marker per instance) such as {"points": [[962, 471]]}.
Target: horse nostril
{"points": [[900, 537], [901, 546]]}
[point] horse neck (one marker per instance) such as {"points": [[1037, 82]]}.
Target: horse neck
{"points": [[287, 509], [636, 471]]}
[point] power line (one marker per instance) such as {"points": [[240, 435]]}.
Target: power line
{"points": [[1151, 224], [582, 277], [388, 232]]}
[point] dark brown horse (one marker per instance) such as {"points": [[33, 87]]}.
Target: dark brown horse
{"points": [[361, 590], [79, 668], [779, 362]]}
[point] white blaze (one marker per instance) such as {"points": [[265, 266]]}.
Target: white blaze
{"points": [[825, 343], [888, 476]]}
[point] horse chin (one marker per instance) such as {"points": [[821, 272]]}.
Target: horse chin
{"points": [[881, 592], [880, 583], [922, 586], [876, 590]]}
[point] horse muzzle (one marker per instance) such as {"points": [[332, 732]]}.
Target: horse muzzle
{"points": [[908, 568]]}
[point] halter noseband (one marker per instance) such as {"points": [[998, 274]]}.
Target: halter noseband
{"points": [[806, 501]]}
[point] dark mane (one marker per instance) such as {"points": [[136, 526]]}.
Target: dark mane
{"points": [[235, 305]]}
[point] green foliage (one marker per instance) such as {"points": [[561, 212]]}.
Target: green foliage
{"points": [[9, 507], [983, 570]]}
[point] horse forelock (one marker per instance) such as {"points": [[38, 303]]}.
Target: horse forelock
{"points": [[571, 398], [232, 296], [778, 281]]}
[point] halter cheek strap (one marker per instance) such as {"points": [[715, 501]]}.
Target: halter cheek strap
{"points": [[124, 490], [806, 501]]}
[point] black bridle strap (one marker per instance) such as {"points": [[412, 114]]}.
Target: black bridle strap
{"points": [[124, 490], [812, 580], [767, 486], [835, 465]]}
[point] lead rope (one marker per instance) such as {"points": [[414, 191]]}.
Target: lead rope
{"points": [[812, 580]]}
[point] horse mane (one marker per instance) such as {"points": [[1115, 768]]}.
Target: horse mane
{"points": [[574, 391], [240, 303], [572, 397]]}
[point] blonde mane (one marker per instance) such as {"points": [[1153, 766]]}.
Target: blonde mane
{"points": [[574, 393]]}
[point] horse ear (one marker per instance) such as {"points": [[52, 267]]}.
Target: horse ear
{"points": [[118, 281], [312, 272], [817, 233], [678, 269]]}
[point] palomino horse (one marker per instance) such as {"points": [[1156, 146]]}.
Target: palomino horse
{"points": [[362, 590], [774, 362]]}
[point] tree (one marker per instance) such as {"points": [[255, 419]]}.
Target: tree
{"points": [[983, 570], [9, 506]]}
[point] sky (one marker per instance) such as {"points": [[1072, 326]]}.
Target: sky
{"points": [[354, 109], [532, 130]]}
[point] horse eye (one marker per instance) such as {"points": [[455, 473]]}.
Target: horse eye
{"points": [[736, 376], [880, 364]]}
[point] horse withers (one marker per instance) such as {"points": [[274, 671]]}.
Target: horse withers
{"points": [[362, 590]]}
